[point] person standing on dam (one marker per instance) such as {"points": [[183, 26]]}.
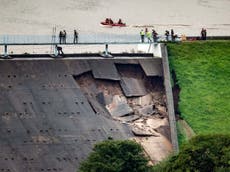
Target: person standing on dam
{"points": [[75, 38], [154, 35], [60, 37], [64, 37], [203, 34], [172, 35], [167, 35], [142, 34], [149, 35]]}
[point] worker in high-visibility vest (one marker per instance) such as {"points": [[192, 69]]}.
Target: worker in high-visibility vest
{"points": [[149, 36], [142, 33]]}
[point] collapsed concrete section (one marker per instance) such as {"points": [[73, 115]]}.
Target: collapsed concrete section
{"points": [[53, 111], [137, 100]]}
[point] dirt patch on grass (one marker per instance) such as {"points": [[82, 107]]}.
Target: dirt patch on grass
{"points": [[186, 129]]}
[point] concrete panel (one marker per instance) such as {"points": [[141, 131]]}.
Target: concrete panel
{"points": [[77, 67], [152, 67], [119, 107], [132, 87], [104, 69]]}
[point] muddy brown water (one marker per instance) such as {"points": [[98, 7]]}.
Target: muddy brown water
{"points": [[185, 17]]}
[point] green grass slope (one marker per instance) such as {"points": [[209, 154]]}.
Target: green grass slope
{"points": [[203, 74]]}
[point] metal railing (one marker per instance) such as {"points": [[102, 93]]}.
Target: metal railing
{"points": [[82, 39]]}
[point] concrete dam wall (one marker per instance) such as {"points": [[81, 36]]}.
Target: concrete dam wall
{"points": [[52, 112]]}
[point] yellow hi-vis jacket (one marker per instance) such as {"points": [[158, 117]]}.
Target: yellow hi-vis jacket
{"points": [[148, 35]]}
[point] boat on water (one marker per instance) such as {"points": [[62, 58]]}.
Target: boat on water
{"points": [[114, 24], [109, 22]]}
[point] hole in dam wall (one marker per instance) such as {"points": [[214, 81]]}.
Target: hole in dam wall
{"points": [[56, 110], [136, 100]]}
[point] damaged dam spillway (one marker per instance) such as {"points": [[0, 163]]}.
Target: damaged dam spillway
{"points": [[53, 111]]}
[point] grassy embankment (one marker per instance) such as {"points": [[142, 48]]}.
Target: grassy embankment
{"points": [[203, 74]]}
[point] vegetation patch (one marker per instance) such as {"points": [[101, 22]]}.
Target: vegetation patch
{"points": [[203, 74], [202, 153], [116, 156]]}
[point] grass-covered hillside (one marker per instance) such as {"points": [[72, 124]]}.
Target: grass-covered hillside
{"points": [[203, 73]]}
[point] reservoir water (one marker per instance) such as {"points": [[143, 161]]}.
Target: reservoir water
{"points": [[184, 16]]}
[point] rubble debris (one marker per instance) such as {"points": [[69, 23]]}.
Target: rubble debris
{"points": [[156, 122], [165, 131], [104, 99], [138, 101], [97, 108], [143, 132], [147, 110], [129, 118], [162, 110], [119, 107], [143, 100]]}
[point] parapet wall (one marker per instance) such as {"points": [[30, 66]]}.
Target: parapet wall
{"points": [[169, 96]]}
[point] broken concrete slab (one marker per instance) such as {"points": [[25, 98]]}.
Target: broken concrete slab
{"points": [[143, 100], [97, 107], [165, 131], [129, 118], [152, 67], [104, 70], [158, 148], [119, 107], [155, 122], [104, 99], [142, 132], [147, 110], [133, 87]]}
